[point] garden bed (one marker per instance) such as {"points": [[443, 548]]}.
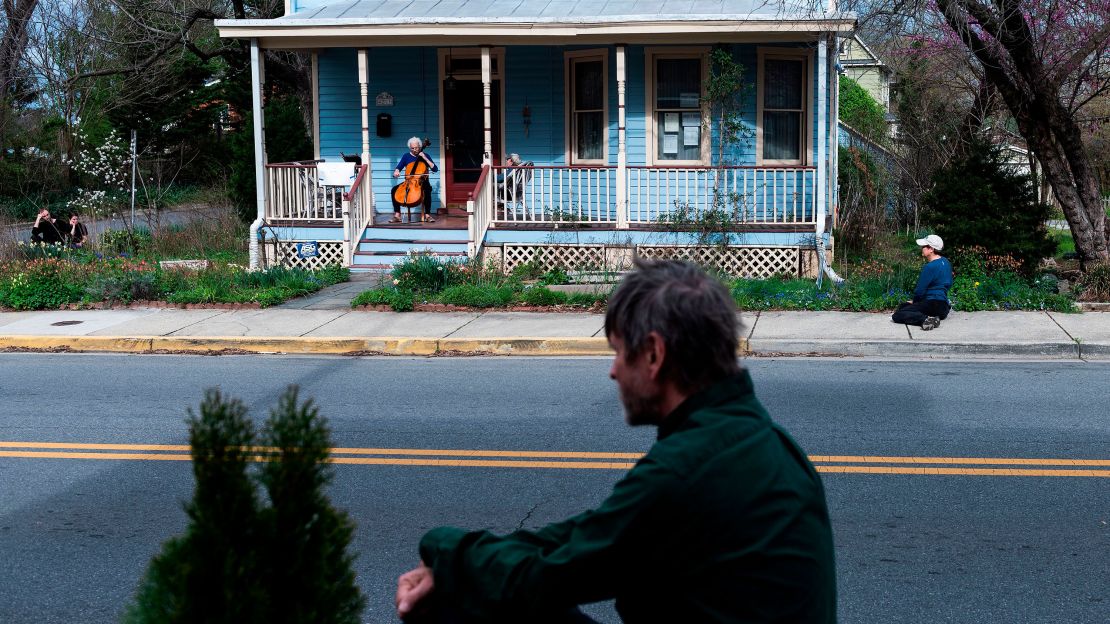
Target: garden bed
{"points": [[85, 279]]}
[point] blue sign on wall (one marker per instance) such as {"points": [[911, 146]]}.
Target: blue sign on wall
{"points": [[307, 249]]}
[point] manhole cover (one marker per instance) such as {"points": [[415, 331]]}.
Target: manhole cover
{"points": [[64, 323]]}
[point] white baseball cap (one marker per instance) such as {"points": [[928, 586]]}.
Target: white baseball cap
{"points": [[931, 240]]}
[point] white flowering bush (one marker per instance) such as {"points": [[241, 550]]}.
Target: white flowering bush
{"points": [[103, 169]]}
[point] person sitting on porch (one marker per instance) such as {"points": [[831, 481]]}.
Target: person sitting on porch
{"points": [[930, 298], [512, 161], [416, 151]]}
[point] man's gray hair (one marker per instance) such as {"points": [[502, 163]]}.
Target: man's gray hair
{"points": [[514, 158], [694, 314], [417, 139]]}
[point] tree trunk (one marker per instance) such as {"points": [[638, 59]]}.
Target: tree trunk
{"points": [[12, 47]]}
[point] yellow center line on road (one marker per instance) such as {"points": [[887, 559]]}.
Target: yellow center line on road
{"points": [[842, 464]]}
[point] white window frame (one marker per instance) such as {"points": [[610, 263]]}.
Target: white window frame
{"points": [[569, 59], [805, 150], [651, 55]]}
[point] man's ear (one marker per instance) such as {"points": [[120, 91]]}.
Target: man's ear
{"points": [[656, 352]]}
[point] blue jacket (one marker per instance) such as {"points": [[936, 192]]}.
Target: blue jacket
{"points": [[408, 158], [935, 280]]}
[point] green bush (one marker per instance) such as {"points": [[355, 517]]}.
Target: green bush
{"points": [[398, 300], [540, 296], [124, 286], [425, 273], [980, 200], [586, 300], [241, 560], [478, 296], [860, 111]]}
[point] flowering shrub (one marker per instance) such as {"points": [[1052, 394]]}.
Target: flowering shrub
{"points": [[41, 284], [104, 169]]}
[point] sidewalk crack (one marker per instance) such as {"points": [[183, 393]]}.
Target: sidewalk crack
{"points": [[457, 329], [328, 322], [908, 332], [203, 320], [751, 332], [1078, 344]]}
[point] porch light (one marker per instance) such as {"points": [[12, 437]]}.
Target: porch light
{"points": [[449, 83]]}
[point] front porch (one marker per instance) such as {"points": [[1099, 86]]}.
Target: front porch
{"points": [[549, 199]]}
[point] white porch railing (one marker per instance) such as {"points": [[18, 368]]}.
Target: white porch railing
{"points": [[767, 195], [294, 193], [553, 194], [479, 210], [587, 195], [356, 213]]}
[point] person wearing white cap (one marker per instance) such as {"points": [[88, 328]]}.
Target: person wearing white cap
{"points": [[930, 298]]}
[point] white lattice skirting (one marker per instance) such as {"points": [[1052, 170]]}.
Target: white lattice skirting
{"points": [[571, 257], [327, 253], [757, 262]]}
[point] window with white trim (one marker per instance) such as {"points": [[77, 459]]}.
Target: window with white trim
{"points": [[783, 106], [677, 109], [588, 136]]}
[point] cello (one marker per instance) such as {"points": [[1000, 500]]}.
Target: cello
{"points": [[410, 192]]}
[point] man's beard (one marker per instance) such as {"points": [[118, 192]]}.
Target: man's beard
{"points": [[641, 409]]}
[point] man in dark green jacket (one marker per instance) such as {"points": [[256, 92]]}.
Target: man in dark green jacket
{"points": [[724, 519]]}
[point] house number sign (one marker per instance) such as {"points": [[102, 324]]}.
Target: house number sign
{"points": [[385, 98]]}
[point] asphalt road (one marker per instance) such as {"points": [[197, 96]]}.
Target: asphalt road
{"points": [[76, 534]]}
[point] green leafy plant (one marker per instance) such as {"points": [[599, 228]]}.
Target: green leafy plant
{"points": [[540, 296], [860, 111], [1094, 284], [424, 272], [478, 296]]}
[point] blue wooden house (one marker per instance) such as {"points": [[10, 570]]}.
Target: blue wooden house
{"points": [[604, 101]]}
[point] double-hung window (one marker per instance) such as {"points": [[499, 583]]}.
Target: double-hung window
{"points": [[783, 110], [587, 120], [676, 108]]}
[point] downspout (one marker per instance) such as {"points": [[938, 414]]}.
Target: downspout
{"points": [[259, 151], [822, 163]]}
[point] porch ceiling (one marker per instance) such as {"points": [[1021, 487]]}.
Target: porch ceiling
{"points": [[499, 22]]}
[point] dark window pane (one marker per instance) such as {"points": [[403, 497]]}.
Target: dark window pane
{"points": [[782, 136], [782, 83], [677, 83], [589, 85], [588, 135]]}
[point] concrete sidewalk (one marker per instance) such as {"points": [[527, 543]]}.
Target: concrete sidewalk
{"points": [[1037, 335]]}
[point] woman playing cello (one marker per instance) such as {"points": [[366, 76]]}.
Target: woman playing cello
{"points": [[416, 188]]}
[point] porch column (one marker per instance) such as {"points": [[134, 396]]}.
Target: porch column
{"points": [[367, 189], [487, 122], [821, 192], [258, 78], [622, 151], [364, 91]]}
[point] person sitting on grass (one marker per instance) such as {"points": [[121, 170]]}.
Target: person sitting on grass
{"points": [[930, 297], [76, 232], [47, 229]]}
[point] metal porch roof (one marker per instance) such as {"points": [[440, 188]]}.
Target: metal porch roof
{"points": [[536, 20]]}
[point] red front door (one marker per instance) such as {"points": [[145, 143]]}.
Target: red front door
{"points": [[463, 139]]}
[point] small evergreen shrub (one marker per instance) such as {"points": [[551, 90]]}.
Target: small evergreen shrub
{"points": [[980, 200], [243, 561]]}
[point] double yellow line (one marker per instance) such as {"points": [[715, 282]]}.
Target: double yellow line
{"points": [[968, 466]]}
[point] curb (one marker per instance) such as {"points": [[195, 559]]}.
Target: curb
{"points": [[528, 346], [923, 349]]}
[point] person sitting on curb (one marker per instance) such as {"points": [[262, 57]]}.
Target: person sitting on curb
{"points": [[930, 297], [47, 229], [724, 519]]}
